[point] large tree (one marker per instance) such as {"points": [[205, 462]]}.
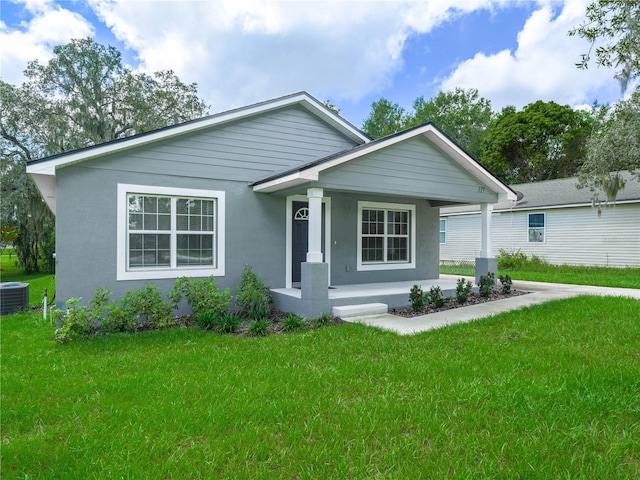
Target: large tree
{"points": [[83, 96], [384, 119], [462, 114], [541, 142], [613, 147], [613, 28]]}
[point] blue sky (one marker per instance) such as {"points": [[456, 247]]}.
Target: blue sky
{"points": [[351, 53]]}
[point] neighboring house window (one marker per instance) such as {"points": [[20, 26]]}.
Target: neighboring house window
{"points": [[536, 227], [443, 230], [169, 232], [386, 236]]}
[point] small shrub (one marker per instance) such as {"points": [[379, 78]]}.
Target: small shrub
{"points": [[73, 323], [323, 320], [436, 297], [258, 328], [463, 290], [506, 283], [149, 305], [513, 260], [486, 284], [120, 318], [206, 320], [202, 295], [293, 322], [416, 297], [253, 295], [228, 323]]}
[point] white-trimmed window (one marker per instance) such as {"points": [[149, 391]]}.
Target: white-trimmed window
{"points": [[537, 222], [169, 232], [443, 230], [386, 236]]}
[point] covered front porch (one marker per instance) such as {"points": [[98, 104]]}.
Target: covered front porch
{"points": [[371, 219], [392, 294]]}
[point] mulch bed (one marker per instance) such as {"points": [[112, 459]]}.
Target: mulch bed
{"points": [[474, 299]]}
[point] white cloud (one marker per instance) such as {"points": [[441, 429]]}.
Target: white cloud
{"points": [[541, 68], [48, 25], [240, 52]]}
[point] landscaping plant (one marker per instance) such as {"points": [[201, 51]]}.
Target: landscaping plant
{"points": [[486, 284], [293, 322], [416, 297], [435, 297], [463, 290], [253, 295], [507, 283]]}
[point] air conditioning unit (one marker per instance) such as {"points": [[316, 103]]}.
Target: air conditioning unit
{"points": [[14, 296]]}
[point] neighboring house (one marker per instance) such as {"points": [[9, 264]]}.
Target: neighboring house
{"points": [[554, 221], [286, 186]]}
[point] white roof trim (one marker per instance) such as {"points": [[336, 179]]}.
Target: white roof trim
{"points": [[429, 131], [48, 167]]}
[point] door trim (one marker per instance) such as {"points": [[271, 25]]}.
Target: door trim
{"points": [[326, 201]]}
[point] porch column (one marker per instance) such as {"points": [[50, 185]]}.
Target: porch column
{"points": [[314, 249], [486, 262], [485, 220]]}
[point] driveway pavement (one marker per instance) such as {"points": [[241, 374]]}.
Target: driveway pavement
{"points": [[540, 293]]}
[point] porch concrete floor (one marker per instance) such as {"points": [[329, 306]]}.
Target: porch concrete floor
{"points": [[377, 289]]}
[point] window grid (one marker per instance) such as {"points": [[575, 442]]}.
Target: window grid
{"points": [[385, 236], [443, 230], [170, 232]]}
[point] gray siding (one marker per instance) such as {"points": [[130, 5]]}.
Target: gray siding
{"points": [[86, 231], [414, 167], [575, 236], [344, 231], [245, 151]]}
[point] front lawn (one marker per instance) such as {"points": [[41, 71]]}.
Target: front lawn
{"points": [[546, 392], [577, 275]]}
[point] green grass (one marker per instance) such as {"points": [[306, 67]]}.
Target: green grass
{"points": [[9, 272], [578, 275], [547, 392]]}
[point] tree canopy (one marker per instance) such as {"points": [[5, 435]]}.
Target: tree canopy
{"points": [[543, 141], [613, 28], [83, 96]]}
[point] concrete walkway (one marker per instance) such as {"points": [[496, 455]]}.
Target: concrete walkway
{"points": [[540, 293]]}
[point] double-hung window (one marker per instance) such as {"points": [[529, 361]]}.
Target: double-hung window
{"points": [[169, 232], [443, 230], [386, 236], [537, 227]]}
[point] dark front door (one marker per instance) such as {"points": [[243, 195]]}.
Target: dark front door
{"points": [[300, 240]]}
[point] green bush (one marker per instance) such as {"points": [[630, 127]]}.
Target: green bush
{"points": [[202, 295], [513, 260], [436, 297], [149, 306], [416, 297], [323, 320], [206, 320], [463, 290], [486, 284], [73, 323], [253, 295], [506, 283], [293, 322], [258, 328], [228, 323]]}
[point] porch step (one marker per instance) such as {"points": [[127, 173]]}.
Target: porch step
{"points": [[348, 311]]}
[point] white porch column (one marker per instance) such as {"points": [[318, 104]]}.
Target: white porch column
{"points": [[486, 210], [314, 250]]}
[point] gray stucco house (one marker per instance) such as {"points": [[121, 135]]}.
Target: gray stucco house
{"points": [[286, 186]]}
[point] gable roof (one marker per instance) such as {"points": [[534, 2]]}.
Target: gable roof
{"points": [[312, 170], [47, 165], [556, 193]]}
